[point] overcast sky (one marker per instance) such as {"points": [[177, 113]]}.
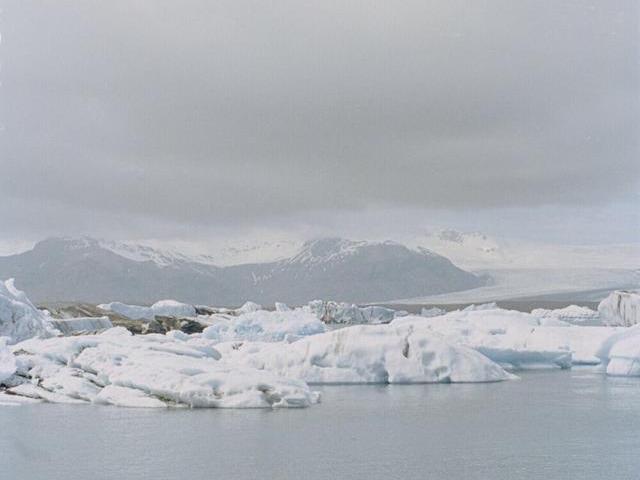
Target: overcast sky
{"points": [[197, 119]]}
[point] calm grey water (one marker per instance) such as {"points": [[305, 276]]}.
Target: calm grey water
{"points": [[552, 425]]}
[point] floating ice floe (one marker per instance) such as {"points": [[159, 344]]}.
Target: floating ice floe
{"points": [[620, 308], [516, 340], [164, 308], [153, 370], [570, 314], [370, 354]]}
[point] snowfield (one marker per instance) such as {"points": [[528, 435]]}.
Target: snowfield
{"points": [[252, 358]]}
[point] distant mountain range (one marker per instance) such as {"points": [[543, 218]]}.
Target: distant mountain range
{"points": [[90, 270]]}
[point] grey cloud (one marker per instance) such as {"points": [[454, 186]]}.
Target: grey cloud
{"points": [[215, 113]]}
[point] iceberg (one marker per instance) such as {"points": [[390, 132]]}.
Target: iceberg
{"points": [[514, 339], [621, 352], [263, 326], [154, 370], [570, 314], [620, 308], [19, 318], [162, 308], [371, 354], [350, 314], [432, 312], [248, 307]]}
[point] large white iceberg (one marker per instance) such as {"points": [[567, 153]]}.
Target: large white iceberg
{"points": [[514, 339], [620, 308], [146, 371], [164, 308], [370, 354], [19, 318]]}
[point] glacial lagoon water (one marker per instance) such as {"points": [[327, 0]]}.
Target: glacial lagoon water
{"points": [[574, 424]]}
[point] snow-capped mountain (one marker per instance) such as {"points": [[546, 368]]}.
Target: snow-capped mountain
{"points": [[86, 269]]}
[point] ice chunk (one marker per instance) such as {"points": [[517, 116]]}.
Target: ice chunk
{"points": [[263, 326], [19, 318], [171, 308], [282, 307], [432, 312], [620, 308], [571, 314], [164, 308], [153, 370], [133, 312], [72, 326], [249, 307], [350, 314], [621, 352]]}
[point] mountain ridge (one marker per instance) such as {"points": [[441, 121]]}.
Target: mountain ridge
{"points": [[92, 270]]}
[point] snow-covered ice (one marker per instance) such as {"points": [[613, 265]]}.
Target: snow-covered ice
{"points": [[620, 308]]}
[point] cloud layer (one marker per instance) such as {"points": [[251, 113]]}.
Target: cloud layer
{"points": [[212, 114]]}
